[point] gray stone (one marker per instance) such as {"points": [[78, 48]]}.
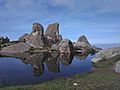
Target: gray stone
{"points": [[82, 45], [83, 39], [108, 54], [16, 48], [117, 67], [52, 33], [22, 38], [66, 46], [36, 38], [37, 29]]}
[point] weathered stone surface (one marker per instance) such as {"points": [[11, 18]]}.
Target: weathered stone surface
{"points": [[35, 41], [36, 38], [16, 48], [117, 67], [22, 38], [82, 45], [52, 33], [37, 29], [66, 46], [83, 39], [107, 54]]}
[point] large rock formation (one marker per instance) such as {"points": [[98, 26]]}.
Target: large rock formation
{"points": [[66, 46], [82, 45], [107, 54], [36, 38], [83, 39], [52, 33], [52, 39], [16, 48]]}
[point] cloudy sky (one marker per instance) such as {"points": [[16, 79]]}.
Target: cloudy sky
{"points": [[99, 20]]}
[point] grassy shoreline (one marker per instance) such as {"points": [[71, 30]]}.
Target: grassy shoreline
{"points": [[103, 77]]}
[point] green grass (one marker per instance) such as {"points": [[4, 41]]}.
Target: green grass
{"points": [[103, 77]]}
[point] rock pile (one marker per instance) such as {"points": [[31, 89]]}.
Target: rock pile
{"points": [[107, 54], [51, 40]]}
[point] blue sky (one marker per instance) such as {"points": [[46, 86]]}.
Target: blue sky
{"points": [[99, 20]]}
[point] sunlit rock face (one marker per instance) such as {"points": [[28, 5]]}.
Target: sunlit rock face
{"points": [[52, 33], [37, 29], [16, 48], [82, 45], [66, 46], [35, 39], [83, 39]]}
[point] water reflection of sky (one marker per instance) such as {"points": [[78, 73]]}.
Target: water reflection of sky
{"points": [[14, 72]]}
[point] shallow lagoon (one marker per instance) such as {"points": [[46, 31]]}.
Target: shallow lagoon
{"points": [[41, 67]]}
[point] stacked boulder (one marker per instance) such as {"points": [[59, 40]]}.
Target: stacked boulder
{"points": [[52, 34], [36, 38]]}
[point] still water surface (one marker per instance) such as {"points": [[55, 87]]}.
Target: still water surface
{"points": [[41, 67]]}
